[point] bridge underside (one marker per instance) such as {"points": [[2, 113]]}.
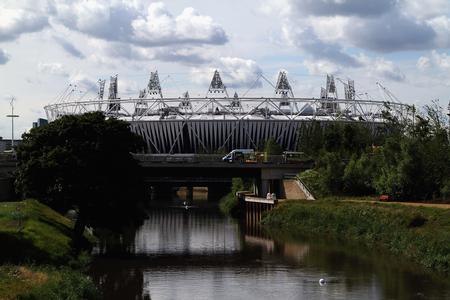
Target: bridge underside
{"points": [[218, 136], [267, 177]]}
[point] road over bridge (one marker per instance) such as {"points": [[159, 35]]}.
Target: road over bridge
{"points": [[197, 169], [191, 170]]}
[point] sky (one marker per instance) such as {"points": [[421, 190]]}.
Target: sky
{"points": [[49, 46]]}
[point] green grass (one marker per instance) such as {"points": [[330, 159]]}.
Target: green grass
{"points": [[32, 232], [417, 233], [44, 282]]}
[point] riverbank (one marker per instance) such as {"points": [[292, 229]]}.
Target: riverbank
{"points": [[35, 242], [421, 234]]}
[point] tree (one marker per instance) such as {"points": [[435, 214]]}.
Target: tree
{"points": [[271, 147], [83, 162], [359, 175], [416, 165]]}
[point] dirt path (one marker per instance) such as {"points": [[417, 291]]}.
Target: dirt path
{"points": [[443, 206]]}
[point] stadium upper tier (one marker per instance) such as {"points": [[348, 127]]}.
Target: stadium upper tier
{"points": [[219, 123], [218, 105]]}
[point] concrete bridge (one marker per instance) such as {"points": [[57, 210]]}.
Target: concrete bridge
{"points": [[209, 169], [191, 170]]}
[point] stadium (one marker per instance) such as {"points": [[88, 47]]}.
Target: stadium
{"points": [[220, 122]]}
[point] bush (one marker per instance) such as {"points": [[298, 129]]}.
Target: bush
{"points": [[229, 203], [359, 175], [445, 190], [315, 183]]}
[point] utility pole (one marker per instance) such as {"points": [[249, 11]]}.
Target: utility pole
{"points": [[12, 116]]}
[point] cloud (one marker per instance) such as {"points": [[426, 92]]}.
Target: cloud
{"points": [[53, 69], [16, 21], [4, 57], [306, 40], [127, 22], [425, 9], [382, 68], [342, 7], [110, 51], [329, 27], [83, 81], [390, 32], [441, 27], [186, 56], [434, 59], [68, 47], [235, 72], [320, 67], [423, 63]]}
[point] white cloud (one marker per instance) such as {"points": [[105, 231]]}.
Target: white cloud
{"points": [[340, 24], [425, 9], [381, 68], [4, 57], [423, 63], [436, 60], [110, 53], [441, 27], [235, 72], [387, 69], [16, 21], [129, 23], [83, 81], [53, 69], [320, 67]]}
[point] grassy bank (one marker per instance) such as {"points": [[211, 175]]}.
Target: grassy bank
{"points": [[418, 233], [44, 282], [34, 239], [33, 232]]}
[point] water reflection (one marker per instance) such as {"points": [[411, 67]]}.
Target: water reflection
{"points": [[199, 254], [182, 231]]}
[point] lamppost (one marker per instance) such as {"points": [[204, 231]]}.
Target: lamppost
{"points": [[12, 116]]}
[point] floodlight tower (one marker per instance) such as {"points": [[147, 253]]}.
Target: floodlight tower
{"points": [[12, 116]]}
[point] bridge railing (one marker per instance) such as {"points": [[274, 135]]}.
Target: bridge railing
{"points": [[177, 158], [205, 158]]}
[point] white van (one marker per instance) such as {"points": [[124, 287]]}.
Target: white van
{"points": [[238, 155]]}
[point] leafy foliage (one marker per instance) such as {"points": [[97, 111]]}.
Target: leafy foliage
{"points": [[406, 159], [229, 204], [81, 161]]}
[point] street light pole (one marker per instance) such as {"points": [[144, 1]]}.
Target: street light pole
{"points": [[12, 116]]}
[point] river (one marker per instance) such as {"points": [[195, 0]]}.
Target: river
{"points": [[197, 253]]}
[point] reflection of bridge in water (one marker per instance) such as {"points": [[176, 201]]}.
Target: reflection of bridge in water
{"points": [[181, 231]]}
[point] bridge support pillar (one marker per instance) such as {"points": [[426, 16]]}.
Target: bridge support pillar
{"points": [[190, 194], [262, 187]]}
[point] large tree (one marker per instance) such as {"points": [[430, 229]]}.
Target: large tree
{"points": [[82, 162]]}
